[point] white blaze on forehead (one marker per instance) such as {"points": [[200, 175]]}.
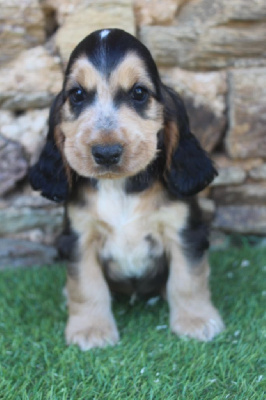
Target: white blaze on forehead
{"points": [[104, 33]]}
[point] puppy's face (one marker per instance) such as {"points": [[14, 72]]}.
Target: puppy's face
{"points": [[112, 111]]}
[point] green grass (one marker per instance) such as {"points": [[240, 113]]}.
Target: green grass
{"points": [[148, 363]]}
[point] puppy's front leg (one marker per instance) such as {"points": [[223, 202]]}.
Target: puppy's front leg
{"points": [[91, 322], [191, 310]]}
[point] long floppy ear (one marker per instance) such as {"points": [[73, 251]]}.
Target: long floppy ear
{"points": [[51, 174], [188, 168]]}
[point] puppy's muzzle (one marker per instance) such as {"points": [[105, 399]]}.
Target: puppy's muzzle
{"points": [[107, 155]]}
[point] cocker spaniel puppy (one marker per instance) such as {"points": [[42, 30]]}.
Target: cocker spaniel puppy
{"points": [[120, 154]]}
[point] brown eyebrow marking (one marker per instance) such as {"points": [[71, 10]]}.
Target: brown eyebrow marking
{"points": [[130, 71], [83, 73]]}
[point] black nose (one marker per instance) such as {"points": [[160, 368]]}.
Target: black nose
{"points": [[107, 155]]}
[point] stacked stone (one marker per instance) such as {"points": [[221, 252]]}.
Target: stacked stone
{"points": [[212, 51]]}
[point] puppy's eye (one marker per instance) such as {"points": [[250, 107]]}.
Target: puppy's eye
{"points": [[77, 96], [139, 94]]}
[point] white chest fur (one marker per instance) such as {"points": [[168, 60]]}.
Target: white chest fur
{"points": [[114, 206], [127, 228]]}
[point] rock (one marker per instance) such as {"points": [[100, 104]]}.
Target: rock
{"points": [[245, 219], [30, 81], [258, 173], [15, 220], [211, 34], [34, 235], [223, 161], [249, 193], [13, 165], [22, 26], [204, 97], [31, 199], [247, 117], [156, 12], [29, 129], [96, 15], [233, 175], [63, 8], [22, 253]]}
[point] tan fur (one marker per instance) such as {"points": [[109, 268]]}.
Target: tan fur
{"points": [[130, 71], [59, 140], [191, 311], [84, 73], [171, 139], [90, 323]]}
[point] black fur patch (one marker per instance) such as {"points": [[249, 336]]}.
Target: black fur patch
{"points": [[191, 169], [66, 243], [78, 107], [48, 174], [150, 284], [125, 97], [195, 235], [79, 184]]}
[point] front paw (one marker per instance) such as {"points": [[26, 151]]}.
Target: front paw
{"points": [[89, 334], [203, 326]]}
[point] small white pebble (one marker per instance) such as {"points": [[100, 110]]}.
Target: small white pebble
{"points": [[160, 327], [236, 333], [157, 380], [153, 300], [142, 370], [259, 378], [245, 263], [157, 373]]}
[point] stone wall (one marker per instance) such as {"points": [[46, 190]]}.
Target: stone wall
{"points": [[212, 51]]}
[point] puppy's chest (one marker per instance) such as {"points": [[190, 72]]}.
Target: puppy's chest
{"points": [[130, 241]]}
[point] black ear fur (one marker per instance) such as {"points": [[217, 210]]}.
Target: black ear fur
{"points": [[190, 169], [48, 175]]}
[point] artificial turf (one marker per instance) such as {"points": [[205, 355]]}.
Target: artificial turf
{"points": [[149, 362]]}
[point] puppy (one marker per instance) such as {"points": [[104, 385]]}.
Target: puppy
{"points": [[120, 155]]}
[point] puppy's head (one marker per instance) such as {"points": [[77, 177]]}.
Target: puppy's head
{"points": [[112, 109], [107, 119]]}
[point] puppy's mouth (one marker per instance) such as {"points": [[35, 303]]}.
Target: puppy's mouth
{"points": [[108, 172]]}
